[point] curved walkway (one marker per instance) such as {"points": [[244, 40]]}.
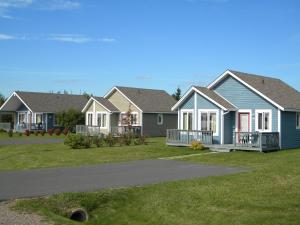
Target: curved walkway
{"points": [[40, 182]]}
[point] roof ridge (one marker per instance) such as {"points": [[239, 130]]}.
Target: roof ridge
{"points": [[148, 89], [35, 92], [255, 75]]}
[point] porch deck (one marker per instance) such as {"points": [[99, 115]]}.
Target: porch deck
{"points": [[247, 141]]}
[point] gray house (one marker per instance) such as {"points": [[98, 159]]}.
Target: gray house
{"points": [[36, 111], [239, 111], [150, 109]]}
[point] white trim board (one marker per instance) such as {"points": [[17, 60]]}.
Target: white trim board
{"points": [[227, 72], [15, 94], [270, 120], [217, 111], [237, 118]]}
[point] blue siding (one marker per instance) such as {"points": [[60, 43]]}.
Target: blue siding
{"points": [[244, 98], [290, 135], [188, 103], [203, 103]]}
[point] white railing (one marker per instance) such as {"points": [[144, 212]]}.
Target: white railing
{"points": [[118, 130], [20, 127], [5, 126], [185, 137], [88, 130]]}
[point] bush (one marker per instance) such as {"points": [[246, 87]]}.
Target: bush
{"points": [[98, 141], [36, 133], [50, 131], [127, 138], [110, 140], [20, 134], [141, 140], [43, 133], [66, 131], [70, 118], [197, 145], [27, 133], [10, 133], [2, 131], [77, 141], [57, 131]]}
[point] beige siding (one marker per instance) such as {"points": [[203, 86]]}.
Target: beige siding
{"points": [[123, 104], [91, 108]]}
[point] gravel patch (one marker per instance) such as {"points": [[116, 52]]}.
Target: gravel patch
{"points": [[10, 217]]}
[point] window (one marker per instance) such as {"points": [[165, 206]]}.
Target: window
{"points": [[160, 119], [263, 120], [39, 118], [209, 121], [22, 118], [133, 119], [101, 119], [187, 120], [298, 120], [90, 119]]}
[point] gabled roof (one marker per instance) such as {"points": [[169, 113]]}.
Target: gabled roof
{"points": [[210, 95], [102, 101], [147, 100], [273, 90], [46, 102]]}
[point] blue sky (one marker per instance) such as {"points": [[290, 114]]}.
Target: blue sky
{"points": [[93, 45]]}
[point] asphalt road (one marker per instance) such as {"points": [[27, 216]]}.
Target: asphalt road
{"points": [[40, 182]]}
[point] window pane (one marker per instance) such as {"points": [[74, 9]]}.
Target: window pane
{"points": [[104, 120], [267, 121], [38, 118], [213, 122], [99, 119], [204, 122], [260, 121], [90, 119], [184, 121], [190, 121]]}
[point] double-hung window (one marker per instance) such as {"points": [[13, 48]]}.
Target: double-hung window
{"points": [[208, 120], [298, 120], [160, 119], [125, 120], [39, 118], [101, 119], [90, 119], [187, 120], [263, 120]]}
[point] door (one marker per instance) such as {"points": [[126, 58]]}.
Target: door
{"points": [[244, 122]]}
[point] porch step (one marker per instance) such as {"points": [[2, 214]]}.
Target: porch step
{"points": [[220, 148]]}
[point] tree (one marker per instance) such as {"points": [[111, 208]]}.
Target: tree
{"points": [[69, 119], [177, 94], [2, 99], [88, 96]]}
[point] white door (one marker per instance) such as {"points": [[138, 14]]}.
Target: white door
{"points": [[244, 122]]}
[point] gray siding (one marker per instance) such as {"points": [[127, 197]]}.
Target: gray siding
{"points": [[290, 135], [244, 98], [152, 129]]}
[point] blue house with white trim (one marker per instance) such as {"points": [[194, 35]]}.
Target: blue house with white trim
{"points": [[239, 111]]}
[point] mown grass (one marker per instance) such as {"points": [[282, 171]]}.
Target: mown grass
{"points": [[4, 135], [31, 156], [269, 194]]}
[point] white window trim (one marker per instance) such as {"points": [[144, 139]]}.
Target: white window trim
{"points": [[106, 121], [36, 117], [181, 117], [87, 118], [297, 115], [237, 118], [162, 119], [25, 117], [200, 111], [137, 115], [257, 111]]}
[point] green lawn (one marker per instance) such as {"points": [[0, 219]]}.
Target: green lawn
{"points": [[4, 135], [269, 194], [16, 157]]}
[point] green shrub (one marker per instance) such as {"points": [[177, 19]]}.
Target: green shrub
{"points": [[36, 133], [141, 140], [196, 145], [10, 133], [110, 140], [77, 141], [20, 134], [98, 141], [43, 133], [127, 138], [2, 131]]}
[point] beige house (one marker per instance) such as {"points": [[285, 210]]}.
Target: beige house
{"points": [[150, 109]]}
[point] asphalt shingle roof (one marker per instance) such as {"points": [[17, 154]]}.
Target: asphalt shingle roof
{"points": [[275, 89], [217, 98], [107, 104], [149, 100], [48, 102]]}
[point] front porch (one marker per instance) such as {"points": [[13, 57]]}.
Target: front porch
{"points": [[114, 130], [248, 141]]}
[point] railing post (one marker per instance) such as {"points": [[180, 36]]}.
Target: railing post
{"points": [[188, 137], [260, 142]]}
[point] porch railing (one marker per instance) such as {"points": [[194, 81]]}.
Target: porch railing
{"points": [[5, 126], [185, 137], [88, 130], [20, 127], [118, 130], [256, 140]]}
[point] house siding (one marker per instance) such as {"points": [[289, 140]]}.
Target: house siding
{"points": [[244, 98], [123, 104], [152, 129], [229, 121], [290, 135], [188, 103]]}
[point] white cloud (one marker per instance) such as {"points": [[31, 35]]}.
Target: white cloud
{"points": [[60, 5], [4, 37], [75, 38], [107, 39]]}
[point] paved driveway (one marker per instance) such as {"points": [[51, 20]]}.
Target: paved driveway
{"points": [[23, 141], [33, 183]]}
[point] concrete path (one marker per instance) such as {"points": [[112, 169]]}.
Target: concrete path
{"points": [[24, 141], [40, 182]]}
